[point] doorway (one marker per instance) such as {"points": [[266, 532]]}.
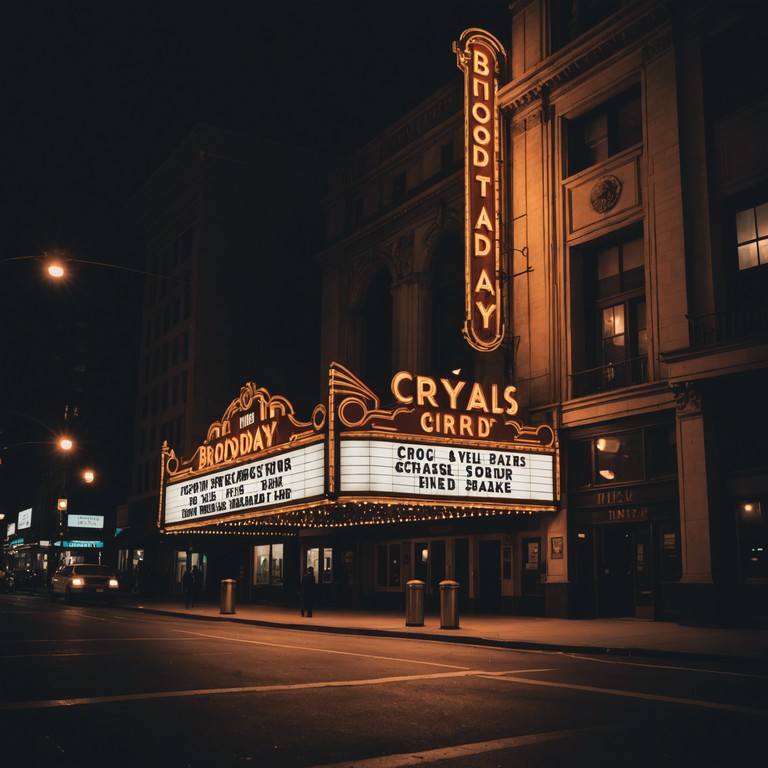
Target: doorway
{"points": [[489, 572], [624, 573]]}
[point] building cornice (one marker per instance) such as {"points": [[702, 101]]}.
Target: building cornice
{"points": [[586, 53]]}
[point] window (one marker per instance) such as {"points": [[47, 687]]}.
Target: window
{"points": [[623, 457], [605, 131], [753, 540], [610, 325], [268, 564], [752, 236], [320, 559]]}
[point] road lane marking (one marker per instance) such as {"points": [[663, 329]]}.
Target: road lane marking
{"points": [[274, 688], [630, 694], [665, 667], [466, 750], [285, 646]]}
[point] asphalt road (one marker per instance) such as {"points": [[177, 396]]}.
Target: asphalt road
{"points": [[90, 685]]}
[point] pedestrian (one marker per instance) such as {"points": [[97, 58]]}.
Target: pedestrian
{"points": [[188, 587], [197, 583], [307, 591]]}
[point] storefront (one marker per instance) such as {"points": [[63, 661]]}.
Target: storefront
{"points": [[444, 485], [624, 520]]}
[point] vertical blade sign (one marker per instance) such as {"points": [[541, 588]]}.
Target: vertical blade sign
{"points": [[481, 57]]}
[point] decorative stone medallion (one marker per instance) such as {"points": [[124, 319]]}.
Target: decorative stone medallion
{"points": [[605, 194]]}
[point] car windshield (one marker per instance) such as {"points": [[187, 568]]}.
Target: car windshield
{"points": [[93, 570]]}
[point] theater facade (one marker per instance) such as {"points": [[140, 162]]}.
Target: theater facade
{"points": [[443, 483]]}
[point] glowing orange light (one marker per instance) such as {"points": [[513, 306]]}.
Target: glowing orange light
{"points": [[55, 270], [65, 444]]}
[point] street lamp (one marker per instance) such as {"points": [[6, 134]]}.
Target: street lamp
{"points": [[56, 261]]}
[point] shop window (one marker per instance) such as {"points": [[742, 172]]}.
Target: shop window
{"points": [[753, 540], [623, 457], [268, 564], [605, 131], [320, 559]]}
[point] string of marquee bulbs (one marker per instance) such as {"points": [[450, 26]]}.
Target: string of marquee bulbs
{"points": [[352, 514]]}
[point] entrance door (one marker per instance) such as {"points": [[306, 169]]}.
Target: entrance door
{"points": [[489, 570], [615, 572], [642, 551]]}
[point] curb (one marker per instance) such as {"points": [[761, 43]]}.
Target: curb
{"points": [[515, 645]]}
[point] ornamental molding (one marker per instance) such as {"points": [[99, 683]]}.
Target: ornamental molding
{"points": [[605, 193], [567, 68]]}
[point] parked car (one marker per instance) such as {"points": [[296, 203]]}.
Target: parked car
{"points": [[24, 579], [84, 581]]}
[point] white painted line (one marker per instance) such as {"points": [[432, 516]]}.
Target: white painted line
{"points": [[305, 648], [633, 695], [665, 667], [467, 750], [53, 703]]}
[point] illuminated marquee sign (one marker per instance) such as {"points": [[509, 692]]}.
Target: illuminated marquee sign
{"points": [[481, 57], [85, 521], [258, 458], [280, 480], [447, 440], [24, 519], [445, 471]]}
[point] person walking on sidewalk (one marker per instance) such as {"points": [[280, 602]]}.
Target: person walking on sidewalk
{"points": [[307, 591], [190, 583]]}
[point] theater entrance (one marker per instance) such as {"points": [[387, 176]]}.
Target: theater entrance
{"points": [[614, 571]]}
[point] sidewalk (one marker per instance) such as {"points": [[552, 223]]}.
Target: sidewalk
{"points": [[622, 637]]}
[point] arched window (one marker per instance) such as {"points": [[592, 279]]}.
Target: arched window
{"points": [[377, 335], [449, 348]]}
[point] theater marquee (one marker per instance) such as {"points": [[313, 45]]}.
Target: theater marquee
{"points": [[481, 57], [259, 458], [446, 447], [448, 442]]}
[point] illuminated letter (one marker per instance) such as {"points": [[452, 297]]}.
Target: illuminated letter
{"points": [[509, 397], [425, 391], [485, 312], [484, 220], [484, 283], [481, 64], [477, 400], [396, 380], [479, 156], [453, 392], [482, 245]]}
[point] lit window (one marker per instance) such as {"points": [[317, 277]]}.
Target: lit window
{"points": [[752, 236]]}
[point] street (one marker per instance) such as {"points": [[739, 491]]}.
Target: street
{"points": [[94, 685]]}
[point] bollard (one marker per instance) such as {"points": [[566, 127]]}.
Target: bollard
{"points": [[228, 595], [414, 603], [449, 605]]}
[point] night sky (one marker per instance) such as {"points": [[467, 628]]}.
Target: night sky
{"points": [[95, 96]]}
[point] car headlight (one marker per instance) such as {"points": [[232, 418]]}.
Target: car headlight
{"points": [[113, 583], [76, 582]]}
